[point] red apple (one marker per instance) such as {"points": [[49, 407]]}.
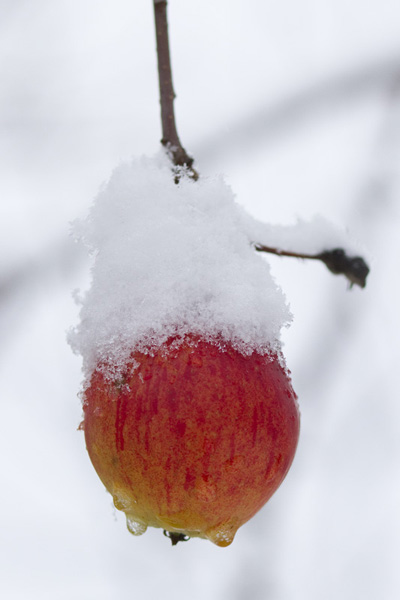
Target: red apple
{"points": [[194, 439]]}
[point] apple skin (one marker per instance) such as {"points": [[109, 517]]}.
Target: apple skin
{"points": [[194, 439]]}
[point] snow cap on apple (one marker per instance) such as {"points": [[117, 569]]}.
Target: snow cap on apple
{"points": [[172, 260], [189, 415]]}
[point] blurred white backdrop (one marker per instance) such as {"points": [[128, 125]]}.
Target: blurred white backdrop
{"points": [[298, 104]]}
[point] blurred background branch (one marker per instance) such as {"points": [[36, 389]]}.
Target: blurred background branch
{"points": [[270, 121]]}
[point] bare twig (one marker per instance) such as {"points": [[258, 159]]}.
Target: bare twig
{"points": [[353, 267], [170, 138]]}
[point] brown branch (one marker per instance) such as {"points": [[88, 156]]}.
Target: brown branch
{"points": [[353, 267], [170, 138]]}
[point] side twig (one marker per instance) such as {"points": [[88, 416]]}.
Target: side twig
{"points": [[353, 267], [170, 138]]}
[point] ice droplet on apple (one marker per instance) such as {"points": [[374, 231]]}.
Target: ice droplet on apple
{"points": [[135, 527], [223, 535], [123, 501]]}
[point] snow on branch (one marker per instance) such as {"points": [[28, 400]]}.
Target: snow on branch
{"points": [[318, 239]]}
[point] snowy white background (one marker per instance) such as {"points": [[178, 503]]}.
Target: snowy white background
{"points": [[298, 104]]}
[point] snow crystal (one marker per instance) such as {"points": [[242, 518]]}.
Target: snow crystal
{"points": [[305, 237], [170, 260]]}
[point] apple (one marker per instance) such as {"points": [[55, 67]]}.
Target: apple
{"points": [[194, 438]]}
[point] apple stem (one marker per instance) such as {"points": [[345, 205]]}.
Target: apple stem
{"points": [[338, 262], [176, 537], [170, 139]]}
